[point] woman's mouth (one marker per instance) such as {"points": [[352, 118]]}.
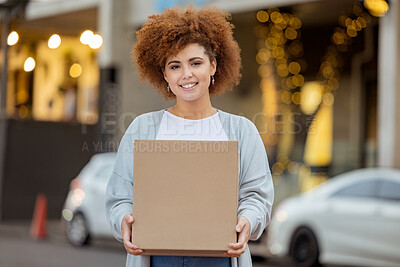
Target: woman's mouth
{"points": [[189, 86]]}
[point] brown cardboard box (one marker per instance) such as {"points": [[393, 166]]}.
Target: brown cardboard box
{"points": [[185, 196]]}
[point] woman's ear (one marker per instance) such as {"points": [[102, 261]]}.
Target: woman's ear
{"points": [[165, 76], [213, 67]]}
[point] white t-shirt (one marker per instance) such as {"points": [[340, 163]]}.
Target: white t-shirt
{"points": [[176, 128]]}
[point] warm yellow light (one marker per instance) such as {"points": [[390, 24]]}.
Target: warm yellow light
{"points": [[328, 99], [276, 17], [362, 21], [263, 56], [22, 96], [348, 22], [12, 38], [54, 41], [271, 42], [75, 71], [333, 83], [29, 64], [276, 32], [338, 38], [282, 70], [295, 23], [311, 97], [294, 68], [262, 16], [86, 36], [286, 97], [342, 20], [356, 25], [318, 146], [96, 41], [289, 83], [278, 168], [351, 31], [296, 98], [23, 111], [291, 33], [298, 80], [293, 167], [377, 8], [278, 52], [264, 71]]}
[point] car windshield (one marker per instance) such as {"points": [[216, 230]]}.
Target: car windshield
{"points": [[361, 189], [389, 190]]}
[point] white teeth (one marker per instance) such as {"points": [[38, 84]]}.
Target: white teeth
{"points": [[187, 86]]}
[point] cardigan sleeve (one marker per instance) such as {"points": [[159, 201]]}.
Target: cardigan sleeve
{"points": [[119, 191], [256, 192]]}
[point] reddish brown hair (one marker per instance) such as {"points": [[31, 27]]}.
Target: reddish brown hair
{"points": [[167, 33]]}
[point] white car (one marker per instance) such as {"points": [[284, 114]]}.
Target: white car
{"points": [[84, 212], [352, 219]]}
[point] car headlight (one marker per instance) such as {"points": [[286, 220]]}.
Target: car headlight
{"points": [[77, 197], [281, 215], [67, 214], [275, 249]]}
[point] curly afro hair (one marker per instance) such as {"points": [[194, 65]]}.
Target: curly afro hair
{"points": [[167, 33]]}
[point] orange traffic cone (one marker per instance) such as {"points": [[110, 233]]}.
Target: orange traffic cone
{"points": [[38, 226]]}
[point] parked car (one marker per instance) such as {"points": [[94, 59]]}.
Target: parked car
{"points": [[352, 219], [84, 212]]}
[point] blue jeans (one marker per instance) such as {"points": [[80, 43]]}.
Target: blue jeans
{"points": [[179, 261]]}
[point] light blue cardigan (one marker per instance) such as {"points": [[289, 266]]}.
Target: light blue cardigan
{"points": [[256, 192]]}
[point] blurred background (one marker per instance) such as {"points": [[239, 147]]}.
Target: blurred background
{"points": [[320, 81]]}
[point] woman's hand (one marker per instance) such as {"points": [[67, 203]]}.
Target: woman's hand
{"points": [[243, 228], [126, 229]]}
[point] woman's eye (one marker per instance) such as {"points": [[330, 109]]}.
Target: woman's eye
{"points": [[174, 67], [196, 63]]}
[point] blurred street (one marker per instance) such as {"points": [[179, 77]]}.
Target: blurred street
{"points": [[18, 249]]}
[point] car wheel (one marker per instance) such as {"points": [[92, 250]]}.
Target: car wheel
{"points": [[77, 231], [304, 248]]}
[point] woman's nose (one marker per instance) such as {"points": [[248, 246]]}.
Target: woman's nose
{"points": [[187, 73]]}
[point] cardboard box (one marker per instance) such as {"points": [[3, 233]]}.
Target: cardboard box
{"points": [[185, 197]]}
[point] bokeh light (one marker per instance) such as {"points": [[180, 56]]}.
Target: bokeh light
{"points": [[377, 8], [29, 64], [54, 41], [262, 16], [75, 71], [12, 38], [86, 36], [96, 41]]}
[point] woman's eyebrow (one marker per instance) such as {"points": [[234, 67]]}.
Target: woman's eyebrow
{"points": [[194, 58], [173, 61], [176, 61]]}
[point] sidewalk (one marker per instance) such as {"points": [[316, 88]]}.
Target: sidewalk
{"points": [[21, 229], [18, 248]]}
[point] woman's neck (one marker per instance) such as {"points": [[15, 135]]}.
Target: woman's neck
{"points": [[193, 110]]}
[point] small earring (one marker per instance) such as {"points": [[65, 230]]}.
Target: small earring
{"points": [[212, 80], [168, 87]]}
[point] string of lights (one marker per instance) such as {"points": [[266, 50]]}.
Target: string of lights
{"points": [[281, 63]]}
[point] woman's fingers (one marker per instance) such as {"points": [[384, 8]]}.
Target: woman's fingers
{"points": [[237, 249], [126, 229], [243, 228]]}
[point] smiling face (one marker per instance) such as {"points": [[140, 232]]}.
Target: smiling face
{"points": [[189, 72]]}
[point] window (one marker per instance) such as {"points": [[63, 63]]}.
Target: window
{"points": [[389, 190], [362, 189]]}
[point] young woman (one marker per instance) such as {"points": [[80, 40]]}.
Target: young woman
{"points": [[190, 55]]}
